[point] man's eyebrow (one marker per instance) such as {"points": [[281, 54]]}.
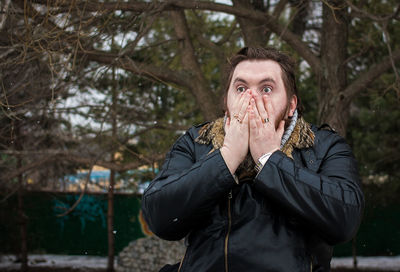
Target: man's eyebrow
{"points": [[268, 79], [265, 80], [238, 79]]}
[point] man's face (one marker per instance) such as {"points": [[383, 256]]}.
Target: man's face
{"points": [[262, 77]]}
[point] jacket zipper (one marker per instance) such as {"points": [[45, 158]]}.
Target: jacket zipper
{"points": [[227, 238], [183, 258], [229, 229], [312, 259], [184, 255]]}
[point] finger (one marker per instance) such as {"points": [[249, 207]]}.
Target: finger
{"points": [[261, 106], [236, 105], [241, 98], [245, 104], [256, 113], [270, 109], [252, 120], [246, 118]]}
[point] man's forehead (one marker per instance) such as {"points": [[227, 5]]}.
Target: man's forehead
{"points": [[257, 70]]}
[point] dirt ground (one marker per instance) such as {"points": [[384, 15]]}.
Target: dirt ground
{"points": [[69, 269], [73, 263]]}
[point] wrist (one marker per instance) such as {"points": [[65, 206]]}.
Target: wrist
{"points": [[262, 160], [230, 160], [257, 155], [273, 150]]}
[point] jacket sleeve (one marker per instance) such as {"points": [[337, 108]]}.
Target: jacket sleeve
{"points": [[328, 199], [185, 191]]}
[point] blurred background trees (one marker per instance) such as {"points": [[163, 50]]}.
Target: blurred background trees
{"points": [[114, 83]]}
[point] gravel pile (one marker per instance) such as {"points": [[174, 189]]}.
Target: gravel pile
{"points": [[149, 254]]}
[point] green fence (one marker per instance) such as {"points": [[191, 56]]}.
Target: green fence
{"points": [[379, 233], [84, 231]]}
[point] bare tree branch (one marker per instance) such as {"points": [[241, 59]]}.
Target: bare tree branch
{"points": [[270, 21], [160, 74], [130, 47], [50, 155], [369, 76], [358, 12], [279, 8], [15, 173], [81, 194], [228, 35], [254, 32]]}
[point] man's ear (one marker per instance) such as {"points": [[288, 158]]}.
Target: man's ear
{"points": [[292, 105]]}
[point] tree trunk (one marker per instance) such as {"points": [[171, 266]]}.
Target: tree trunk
{"points": [[300, 10], [200, 88], [3, 15], [254, 32], [22, 220], [110, 223], [110, 197], [333, 77]]}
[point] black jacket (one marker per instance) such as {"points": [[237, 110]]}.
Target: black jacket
{"points": [[286, 219]]}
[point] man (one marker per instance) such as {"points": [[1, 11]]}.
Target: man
{"points": [[261, 189]]}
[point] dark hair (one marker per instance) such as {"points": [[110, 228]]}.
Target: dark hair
{"points": [[286, 63]]}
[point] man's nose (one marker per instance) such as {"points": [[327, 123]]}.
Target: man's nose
{"points": [[255, 93], [249, 91]]}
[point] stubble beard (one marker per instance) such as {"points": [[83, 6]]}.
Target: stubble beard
{"points": [[282, 116]]}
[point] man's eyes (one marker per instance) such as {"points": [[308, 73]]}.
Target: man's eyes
{"points": [[267, 89], [241, 89]]}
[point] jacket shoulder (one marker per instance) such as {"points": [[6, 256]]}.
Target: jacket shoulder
{"points": [[193, 132], [328, 140], [324, 132], [201, 124], [326, 127]]}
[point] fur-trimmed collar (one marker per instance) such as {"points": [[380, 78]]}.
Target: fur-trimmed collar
{"points": [[213, 132]]}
